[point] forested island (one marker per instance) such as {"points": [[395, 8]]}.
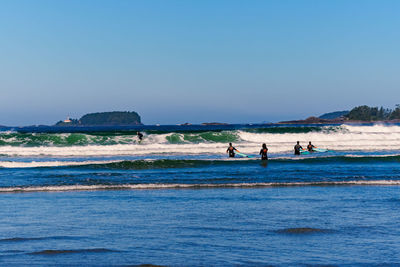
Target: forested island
{"points": [[120, 118]]}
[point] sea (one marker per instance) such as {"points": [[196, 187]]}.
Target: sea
{"points": [[96, 196]]}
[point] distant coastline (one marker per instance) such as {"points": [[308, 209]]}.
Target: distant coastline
{"points": [[358, 115]]}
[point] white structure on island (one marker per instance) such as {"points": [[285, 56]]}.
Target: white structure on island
{"points": [[68, 120]]}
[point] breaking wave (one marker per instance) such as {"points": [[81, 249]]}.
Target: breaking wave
{"points": [[192, 163], [62, 188], [278, 140]]}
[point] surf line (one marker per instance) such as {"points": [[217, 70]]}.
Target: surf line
{"points": [[67, 188]]}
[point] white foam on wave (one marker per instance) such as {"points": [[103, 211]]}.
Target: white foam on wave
{"points": [[344, 138], [38, 164], [376, 128], [115, 150], [63, 188]]}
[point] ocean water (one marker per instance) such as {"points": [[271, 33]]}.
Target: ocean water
{"points": [[96, 196]]}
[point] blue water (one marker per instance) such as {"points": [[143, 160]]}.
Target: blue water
{"points": [[343, 225], [187, 204]]}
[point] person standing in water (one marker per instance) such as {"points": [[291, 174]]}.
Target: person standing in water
{"points": [[310, 147], [231, 150], [297, 148], [263, 152]]}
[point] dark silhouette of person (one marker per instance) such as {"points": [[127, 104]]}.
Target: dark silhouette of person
{"points": [[231, 150], [264, 152], [140, 136], [297, 148], [310, 147]]}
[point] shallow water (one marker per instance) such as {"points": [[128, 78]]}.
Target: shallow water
{"points": [[282, 225]]}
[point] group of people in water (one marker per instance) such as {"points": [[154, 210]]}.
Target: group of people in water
{"points": [[264, 150], [298, 148]]}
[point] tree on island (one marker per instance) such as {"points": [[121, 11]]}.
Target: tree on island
{"points": [[366, 113], [395, 115]]}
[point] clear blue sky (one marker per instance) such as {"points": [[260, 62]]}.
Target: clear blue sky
{"points": [[196, 61]]}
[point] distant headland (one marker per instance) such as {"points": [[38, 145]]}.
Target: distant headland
{"points": [[360, 114], [114, 118]]}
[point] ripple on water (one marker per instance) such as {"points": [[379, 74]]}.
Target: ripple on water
{"points": [[302, 230], [69, 251]]}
